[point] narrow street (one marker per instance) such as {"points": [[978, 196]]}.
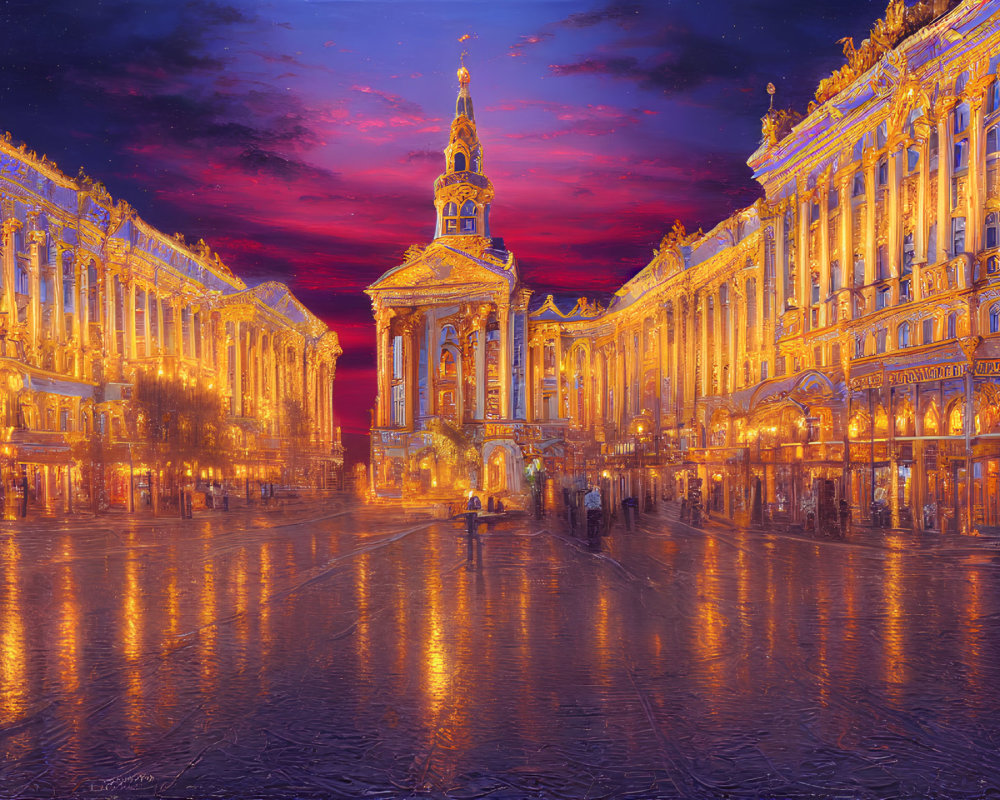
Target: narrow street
{"points": [[345, 652]]}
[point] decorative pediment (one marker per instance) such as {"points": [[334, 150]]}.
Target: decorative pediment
{"points": [[442, 266]]}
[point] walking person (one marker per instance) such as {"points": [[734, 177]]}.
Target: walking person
{"points": [[592, 503], [472, 509]]}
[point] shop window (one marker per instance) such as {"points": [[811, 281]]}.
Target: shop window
{"points": [[928, 332], [903, 335], [995, 318], [991, 230]]}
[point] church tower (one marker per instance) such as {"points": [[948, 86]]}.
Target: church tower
{"points": [[462, 195]]}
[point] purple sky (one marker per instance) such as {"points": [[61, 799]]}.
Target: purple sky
{"points": [[300, 139]]}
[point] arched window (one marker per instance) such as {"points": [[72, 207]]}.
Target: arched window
{"points": [[450, 215], [990, 233], [468, 222], [955, 420], [995, 318], [459, 162], [903, 335]]}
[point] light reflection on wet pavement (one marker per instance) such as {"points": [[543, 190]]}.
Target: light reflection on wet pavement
{"points": [[356, 655]]}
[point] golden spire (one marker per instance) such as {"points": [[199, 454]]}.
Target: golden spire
{"points": [[463, 73]]}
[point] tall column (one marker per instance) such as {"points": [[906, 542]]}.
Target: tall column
{"points": [[803, 288], [920, 256], [36, 240], [480, 324], [10, 226], [59, 321], [237, 369], [130, 343], [505, 368], [384, 372], [977, 175], [559, 372], [944, 181], [706, 351], [894, 240], [870, 163], [845, 179], [824, 250], [780, 281]]}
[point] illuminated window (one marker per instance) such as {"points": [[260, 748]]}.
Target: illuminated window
{"points": [[995, 318], [955, 426]]}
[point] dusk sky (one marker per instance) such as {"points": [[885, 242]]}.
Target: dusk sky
{"points": [[301, 138]]}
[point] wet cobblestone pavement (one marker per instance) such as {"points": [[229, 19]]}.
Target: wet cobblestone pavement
{"points": [[347, 652]]}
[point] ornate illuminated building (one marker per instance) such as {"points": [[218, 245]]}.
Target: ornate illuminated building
{"points": [[132, 363], [837, 340]]}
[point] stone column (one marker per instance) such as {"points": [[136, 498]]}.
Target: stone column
{"points": [[894, 238], [36, 240], [780, 281], [480, 324], [977, 177], [870, 163], [383, 416], [130, 343], [944, 181], [920, 255], [237, 369], [505, 368], [824, 250]]}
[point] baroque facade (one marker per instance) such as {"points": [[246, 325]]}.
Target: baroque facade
{"points": [[132, 363], [838, 340]]}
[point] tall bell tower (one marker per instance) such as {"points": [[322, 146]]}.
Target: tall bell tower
{"points": [[462, 195]]}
